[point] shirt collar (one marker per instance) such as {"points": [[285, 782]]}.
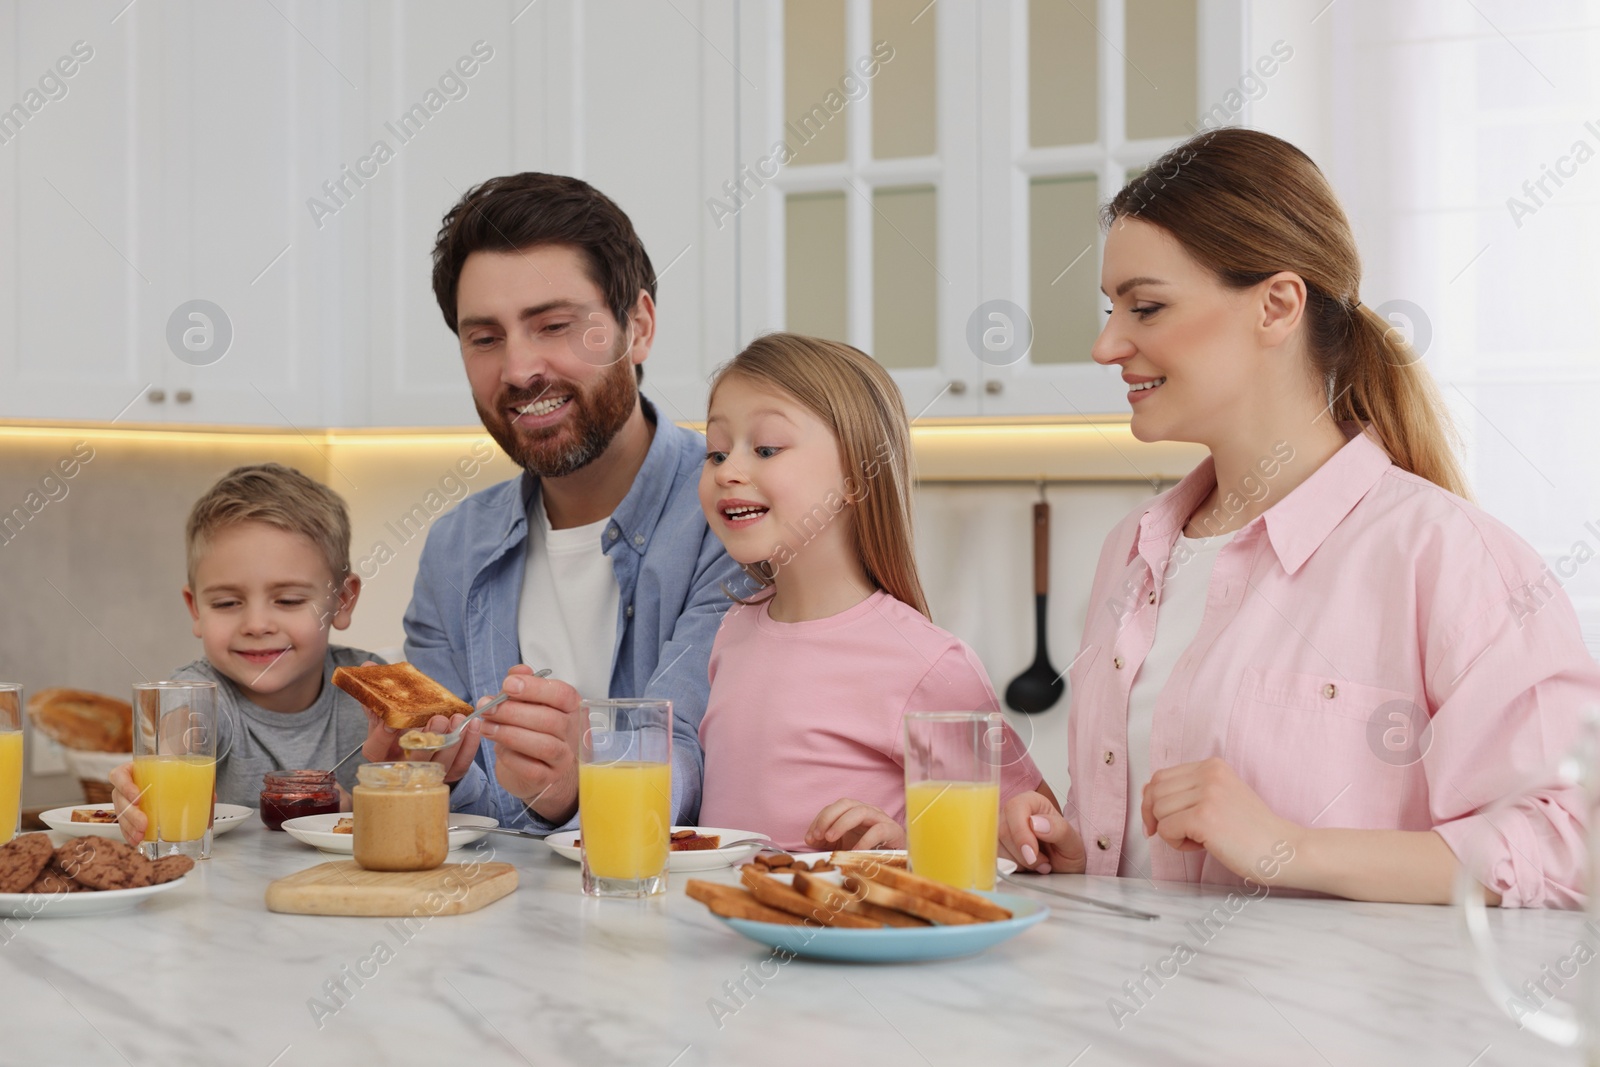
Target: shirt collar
{"points": [[1296, 525], [636, 516]]}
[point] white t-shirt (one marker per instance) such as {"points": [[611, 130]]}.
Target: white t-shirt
{"points": [[1183, 605], [567, 613]]}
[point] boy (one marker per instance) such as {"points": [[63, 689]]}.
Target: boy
{"points": [[269, 574]]}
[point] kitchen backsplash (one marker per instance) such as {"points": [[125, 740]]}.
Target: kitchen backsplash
{"points": [[93, 576]]}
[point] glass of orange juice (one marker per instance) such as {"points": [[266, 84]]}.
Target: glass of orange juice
{"points": [[953, 795], [175, 765], [625, 796], [10, 760]]}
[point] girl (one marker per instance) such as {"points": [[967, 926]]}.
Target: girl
{"points": [[1313, 661], [807, 484]]}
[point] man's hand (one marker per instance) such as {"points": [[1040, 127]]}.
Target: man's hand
{"points": [[850, 825], [536, 734], [1039, 838]]}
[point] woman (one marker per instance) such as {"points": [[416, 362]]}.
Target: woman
{"points": [[1312, 662]]}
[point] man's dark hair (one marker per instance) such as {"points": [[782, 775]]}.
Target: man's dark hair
{"points": [[519, 211]]}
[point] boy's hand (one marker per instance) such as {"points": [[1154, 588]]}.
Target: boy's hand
{"points": [[1039, 837], [383, 744], [125, 796], [851, 825], [536, 734]]}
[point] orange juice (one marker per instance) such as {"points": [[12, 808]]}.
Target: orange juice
{"points": [[175, 794], [625, 817], [952, 829], [10, 782]]}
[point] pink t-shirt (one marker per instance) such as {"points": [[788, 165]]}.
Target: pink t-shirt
{"points": [[802, 714]]}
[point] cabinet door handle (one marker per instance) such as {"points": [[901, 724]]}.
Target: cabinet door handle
{"points": [[958, 387], [156, 396], [183, 396], [994, 387]]}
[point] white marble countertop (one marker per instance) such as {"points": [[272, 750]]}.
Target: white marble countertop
{"points": [[205, 974]]}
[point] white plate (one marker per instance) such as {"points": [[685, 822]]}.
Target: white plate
{"points": [[68, 905], [60, 819], [1003, 865], [317, 831], [737, 845]]}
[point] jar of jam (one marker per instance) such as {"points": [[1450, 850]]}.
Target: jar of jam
{"points": [[402, 816], [291, 794]]}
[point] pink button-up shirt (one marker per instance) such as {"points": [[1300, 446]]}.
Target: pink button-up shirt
{"points": [[1375, 653]]}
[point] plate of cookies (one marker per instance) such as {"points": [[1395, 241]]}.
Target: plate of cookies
{"points": [[85, 876], [694, 848], [100, 820]]}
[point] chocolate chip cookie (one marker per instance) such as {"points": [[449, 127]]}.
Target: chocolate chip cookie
{"points": [[101, 863], [53, 880], [21, 860], [170, 868]]}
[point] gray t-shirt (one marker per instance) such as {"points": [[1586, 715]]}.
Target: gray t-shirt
{"points": [[252, 740]]}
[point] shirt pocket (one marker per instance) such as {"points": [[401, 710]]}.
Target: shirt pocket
{"points": [[1320, 747]]}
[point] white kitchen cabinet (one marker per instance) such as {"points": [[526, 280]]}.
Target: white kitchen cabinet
{"points": [[166, 174]]}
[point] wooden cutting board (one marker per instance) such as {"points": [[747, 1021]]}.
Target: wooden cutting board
{"points": [[341, 887]]}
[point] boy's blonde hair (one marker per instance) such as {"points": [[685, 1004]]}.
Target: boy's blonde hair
{"points": [[278, 496], [854, 395]]}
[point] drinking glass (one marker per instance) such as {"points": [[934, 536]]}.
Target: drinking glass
{"points": [[953, 795], [10, 760], [625, 796], [175, 765]]}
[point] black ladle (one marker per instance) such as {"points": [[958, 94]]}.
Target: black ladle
{"points": [[1040, 686]]}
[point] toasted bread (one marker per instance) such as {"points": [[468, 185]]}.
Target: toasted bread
{"points": [[940, 894], [103, 816], [835, 898], [691, 841], [869, 859], [773, 893], [402, 696], [78, 719], [346, 825], [732, 902], [857, 884]]}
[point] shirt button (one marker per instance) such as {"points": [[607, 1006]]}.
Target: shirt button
{"points": [[1102, 842], [638, 539], [1111, 757], [629, 612], [1329, 691], [613, 533], [1117, 663], [1152, 596]]}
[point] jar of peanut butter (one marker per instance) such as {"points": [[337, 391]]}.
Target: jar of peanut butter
{"points": [[402, 815]]}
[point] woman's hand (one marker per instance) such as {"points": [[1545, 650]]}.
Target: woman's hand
{"points": [[1206, 805], [1039, 838], [850, 825], [125, 797]]}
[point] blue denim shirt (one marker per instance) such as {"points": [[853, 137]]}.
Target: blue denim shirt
{"points": [[461, 624]]}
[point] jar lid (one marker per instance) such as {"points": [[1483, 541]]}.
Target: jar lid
{"points": [[410, 774]]}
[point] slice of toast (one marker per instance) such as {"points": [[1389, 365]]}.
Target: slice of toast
{"points": [[693, 841], [941, 894], [101, 816], [402, 696], [857, 884], [731, 902], [774, 894], [834, 898]]}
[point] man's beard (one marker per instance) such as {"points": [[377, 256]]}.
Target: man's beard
{"points": [[595, 418]]}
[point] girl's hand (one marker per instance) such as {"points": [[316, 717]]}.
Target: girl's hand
{"points": [[851, 825], [125, 797], [1206, 805], [1039, 838]]}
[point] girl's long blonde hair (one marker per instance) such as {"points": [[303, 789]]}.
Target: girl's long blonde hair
{"points": [[1247, 205], [854, 395]]}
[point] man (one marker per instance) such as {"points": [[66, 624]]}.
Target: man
{"points": [[596, 562]]}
